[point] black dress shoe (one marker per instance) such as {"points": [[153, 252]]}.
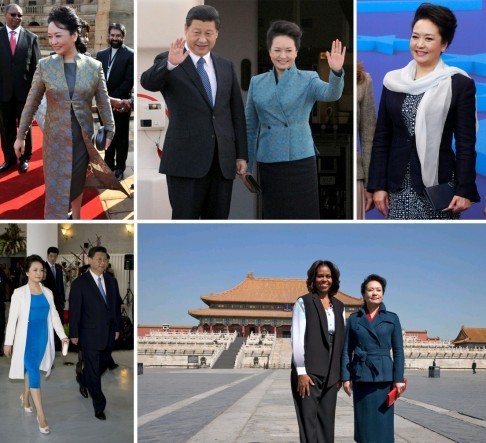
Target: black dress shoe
{"points": [[6, 166], [100, 415], [83, 391], [119, 174], [24, 166]]}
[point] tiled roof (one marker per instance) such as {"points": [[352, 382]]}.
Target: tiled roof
{"points": [[239, 313], [270, 290], [471, 335]]}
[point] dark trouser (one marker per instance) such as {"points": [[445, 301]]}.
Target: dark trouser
{"points": [[11, 113], [316, 413], [208, 197], [116, 155], [95, 363], [2, 325]]}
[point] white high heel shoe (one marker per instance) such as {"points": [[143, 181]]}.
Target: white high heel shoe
{"points": [[27, 409], [43, 430]]}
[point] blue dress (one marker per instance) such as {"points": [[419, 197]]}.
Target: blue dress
{"points": [[36, 344]]}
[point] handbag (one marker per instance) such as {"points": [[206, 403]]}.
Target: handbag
{"points": [[439, 196], [100, 139], [393, 395], [251, 183]]}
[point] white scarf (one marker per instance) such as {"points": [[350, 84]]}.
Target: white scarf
{"points": [[431, 112]]}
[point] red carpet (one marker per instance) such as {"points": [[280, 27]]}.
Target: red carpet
{"points": [[22, 195]]}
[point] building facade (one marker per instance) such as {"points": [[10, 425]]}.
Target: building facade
{"points": [[258, 305]]}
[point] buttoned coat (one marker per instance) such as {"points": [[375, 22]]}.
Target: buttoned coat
{"points": [[18, 323], [394, 147], [57, 153], [367, 345], [91, 320], [195, 127], [277, 114], [366, 118]]}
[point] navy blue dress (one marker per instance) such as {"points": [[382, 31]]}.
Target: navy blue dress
{"points": [[36, 344]]}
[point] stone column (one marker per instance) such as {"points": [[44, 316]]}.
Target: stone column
{"points": [[243, 331]]}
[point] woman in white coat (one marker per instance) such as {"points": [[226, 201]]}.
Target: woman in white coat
{"points": [[29, 337]]}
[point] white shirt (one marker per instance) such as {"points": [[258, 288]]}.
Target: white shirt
{"points": [[111, 59], [95, 277], [17, 32], [208, 66], [298, 333]]}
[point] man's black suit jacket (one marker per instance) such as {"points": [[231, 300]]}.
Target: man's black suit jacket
{"points": [[120, 82], [195, 128], [91, 320], [393, 147], [56, 285], [16, 72]]}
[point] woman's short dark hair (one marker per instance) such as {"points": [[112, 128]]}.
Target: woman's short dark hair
{"points": [[440, 16], [335, 274], [373, 277], [205, 13], [65, 17], [282, 27], [32, 259]]}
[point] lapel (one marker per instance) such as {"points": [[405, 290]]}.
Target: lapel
{"points": [[58, 66], [4, 42], [20, 41], [270, 86], [218, 69], [322, 316], [363, 321], [119, 56], [191, 71]]}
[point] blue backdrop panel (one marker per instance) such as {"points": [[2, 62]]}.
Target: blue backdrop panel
{"points": [[384, 29]]}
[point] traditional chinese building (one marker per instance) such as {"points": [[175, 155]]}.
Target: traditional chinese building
{"points": [[258, 304], [470, 337]]}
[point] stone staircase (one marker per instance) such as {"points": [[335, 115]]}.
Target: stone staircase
{"points": [[228, 357], [282, 354]]}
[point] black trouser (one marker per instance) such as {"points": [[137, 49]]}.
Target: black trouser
{"points": [[316, 413], [95, 363], [116, 155], [11, 113], [2, 325], [207, 198]]}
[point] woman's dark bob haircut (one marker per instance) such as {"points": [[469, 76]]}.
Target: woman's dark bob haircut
{"points": [[312, 272], [32, 259], [441, 17], [65, 17], [373, 277], [282, 27]]}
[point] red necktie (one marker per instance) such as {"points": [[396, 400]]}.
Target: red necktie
{"points": [[13, 42]]}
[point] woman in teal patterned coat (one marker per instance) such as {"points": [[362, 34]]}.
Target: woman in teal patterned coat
{"points": [[277, 118], [70, 80]]}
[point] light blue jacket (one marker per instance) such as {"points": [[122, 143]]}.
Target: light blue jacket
{"points": [[281, 113]]}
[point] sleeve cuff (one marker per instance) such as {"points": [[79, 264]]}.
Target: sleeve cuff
{"points": [[301, 370], [170, 66]]}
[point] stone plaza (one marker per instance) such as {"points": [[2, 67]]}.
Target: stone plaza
{"points": [[255, 405]]}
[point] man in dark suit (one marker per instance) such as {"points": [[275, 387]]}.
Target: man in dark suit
{"points": [[19, 54], [94, 323], [117, 61], [55, 280], [206, 142]]}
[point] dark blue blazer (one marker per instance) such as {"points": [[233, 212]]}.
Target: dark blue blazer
{"points": [[195, 128], [393, 147], [55, 284], [366, 352], [91, 320]]}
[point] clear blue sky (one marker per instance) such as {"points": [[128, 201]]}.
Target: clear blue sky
{"points": [[435, 272]]}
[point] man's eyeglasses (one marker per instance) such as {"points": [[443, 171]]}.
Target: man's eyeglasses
{"points": [[14, 14]]}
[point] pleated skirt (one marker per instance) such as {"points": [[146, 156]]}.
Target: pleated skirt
{"points": [[290, 190]]}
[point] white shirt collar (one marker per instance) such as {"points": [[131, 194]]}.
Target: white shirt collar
{"points": [[96, 276], [195, 58], [16, 30]]}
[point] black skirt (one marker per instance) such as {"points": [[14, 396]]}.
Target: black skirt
{"points": [[290, 190]]}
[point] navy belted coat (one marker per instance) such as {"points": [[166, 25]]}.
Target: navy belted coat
{"points": [[367, 345]]}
